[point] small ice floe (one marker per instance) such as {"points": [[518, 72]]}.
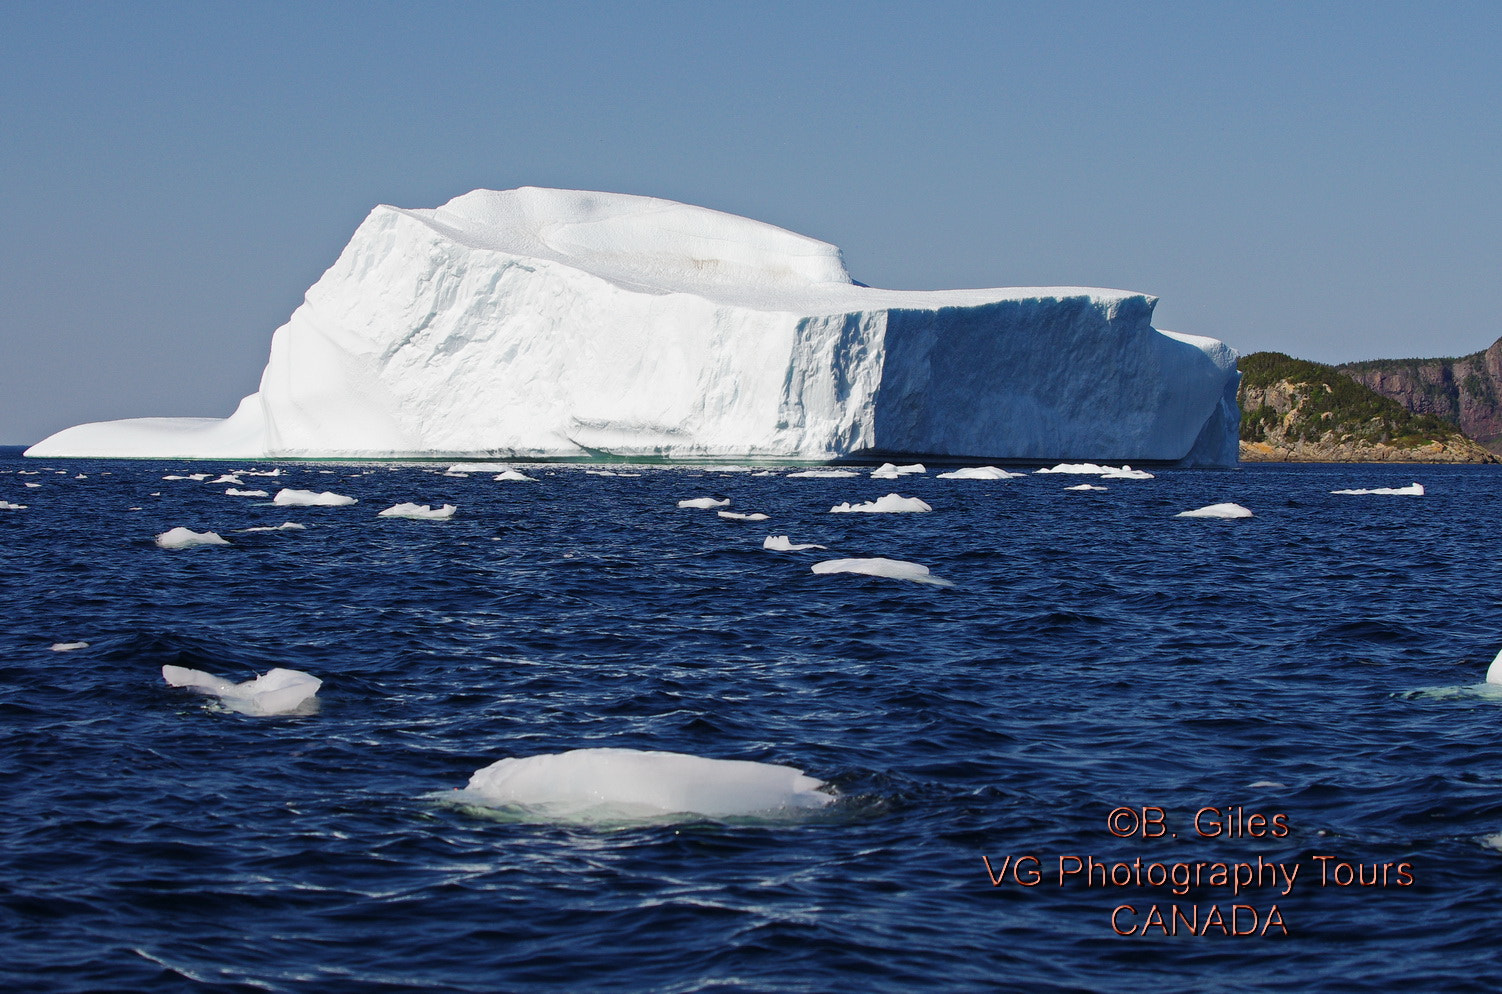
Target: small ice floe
{"points": [[890, 471], [194, 476], [186, 538], [979, 473], [277, 691], [599, 472], [822, 474], [890, 504], [1412, 490], [513, 476], [80, 476], [1086, 486], [896, 569], [1494, 671], [704, 503], [595, 785], [6, 505], [34, 486], [310, 498], [1493, 841], [735, 516], [230, 479], [1217, 511], [781, 543], [420, 512], [1126, 473], [1267, 785], [68, 646], [475, 467], [1075, 469], [233, 492], [285, 526], [257, 472], [458, 476]]}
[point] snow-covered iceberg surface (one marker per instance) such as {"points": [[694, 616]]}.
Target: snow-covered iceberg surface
{"points": [[612, 784], [560, 323], [277, 691]]}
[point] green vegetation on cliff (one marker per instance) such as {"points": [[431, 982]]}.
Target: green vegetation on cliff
{"points": [[1294, 399]]}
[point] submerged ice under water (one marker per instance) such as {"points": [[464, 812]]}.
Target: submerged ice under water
{"points": [[1324, 660]]}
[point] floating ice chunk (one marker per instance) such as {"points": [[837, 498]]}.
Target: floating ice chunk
{"points": [[1216, 511], [277, 691], [1126, 473], [704, 503], [1493, 841], [610, 784], [1268, 784], [822, 474], [80, 476], [889, 471], [1494, 672], [34, 486], [893, 568], [734, 516], [285, 526], [1086, 486], [194, 476], [979, 473], [890, 504], [419, 511], [232, 492], [599, 472], [476, 467], [1412, 490], [514, 476], [6, 505], [1074, 469], [780, 543], [256, 472], [68, 646], [186, 538], [309, 498], [231, 479]]}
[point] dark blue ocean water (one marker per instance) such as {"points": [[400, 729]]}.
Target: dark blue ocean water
{"points": [[1318, 661]]}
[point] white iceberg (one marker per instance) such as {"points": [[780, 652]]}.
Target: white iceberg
{"points": [[979, 473], [513, 476], [231, 479], [310, 498], [186, 538], [1085, 486], [465, 468], [1126, 473], [566, 323], [891, 471], [890, 504], [737, 516], [235, 492], [1217, 511], [896, 569], [822, 474], [1494, 672], [703, 503], [1095, 469], [1412, 490], [616, 784], [285, 526], [68, 646], [419, 511], [781, 543], [6, 505], [277, 691]]}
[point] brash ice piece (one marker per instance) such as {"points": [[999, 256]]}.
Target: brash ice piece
{"points": [[562, 323]]}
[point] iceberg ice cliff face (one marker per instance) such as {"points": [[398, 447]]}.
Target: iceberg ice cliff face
{"points": [[558, 323]]}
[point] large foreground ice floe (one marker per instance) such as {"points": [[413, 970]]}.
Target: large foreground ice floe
{"points": [[565, 323], [625, 784], [277, 691]]}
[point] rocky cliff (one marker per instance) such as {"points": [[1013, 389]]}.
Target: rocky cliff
{"points": [[1466, 391], [1298, 411]]}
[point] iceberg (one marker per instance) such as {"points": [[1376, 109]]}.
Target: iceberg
{"points": [[704, 503], [421, 512], [539, 323], [1412, 490], [781, 543], [614, 784], [980, 473]]}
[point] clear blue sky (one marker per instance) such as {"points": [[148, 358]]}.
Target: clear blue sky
{"points": [[1317, 178]]}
